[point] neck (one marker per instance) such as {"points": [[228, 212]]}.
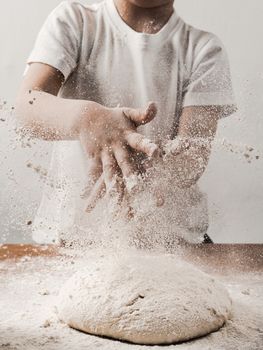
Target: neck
{"points": [[144, 20]]}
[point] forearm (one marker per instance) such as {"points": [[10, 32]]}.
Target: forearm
{"points": [[49, 117]]}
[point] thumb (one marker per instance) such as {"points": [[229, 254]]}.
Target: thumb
{"points": [[141, 116]]}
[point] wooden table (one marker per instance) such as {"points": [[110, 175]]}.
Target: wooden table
{"points": [[16, 251], [220, 257]]}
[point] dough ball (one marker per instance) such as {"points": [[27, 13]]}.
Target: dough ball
{"points": [[144, 299]]}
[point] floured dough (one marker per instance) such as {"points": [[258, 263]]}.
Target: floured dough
{"points": [[144, 299]]}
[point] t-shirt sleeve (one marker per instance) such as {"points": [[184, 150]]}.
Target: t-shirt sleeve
{"points": [[59, 40], [209, 82]]}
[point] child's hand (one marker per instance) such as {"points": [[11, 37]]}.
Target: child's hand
{"points": [[109, 137]]}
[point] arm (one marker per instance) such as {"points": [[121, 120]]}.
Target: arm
{"points": [[192, 147], [107, 135], [41, 113], [45, 115], [207, 96]]}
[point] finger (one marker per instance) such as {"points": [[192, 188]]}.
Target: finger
{"points": [[127, 166], [141, 116], [125, 160], [110, 168], [97, 193], [94, 173], [141, 144], [111, 173]]}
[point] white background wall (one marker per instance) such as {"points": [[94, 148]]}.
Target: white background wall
{"points": [[234, 186]]}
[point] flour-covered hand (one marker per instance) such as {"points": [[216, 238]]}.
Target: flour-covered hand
{"points": [[110, 139]]}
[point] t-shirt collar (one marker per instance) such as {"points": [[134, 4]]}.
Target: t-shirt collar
{"points": [[126, 30]]}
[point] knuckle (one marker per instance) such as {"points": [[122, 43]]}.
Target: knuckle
{"points": [[107, 167], [124, 160], [140, 143]]}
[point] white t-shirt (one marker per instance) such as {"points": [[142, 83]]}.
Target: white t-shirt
{"points": [[106, 61]]}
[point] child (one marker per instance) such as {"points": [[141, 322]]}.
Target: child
{"points": [[90, 70]]}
